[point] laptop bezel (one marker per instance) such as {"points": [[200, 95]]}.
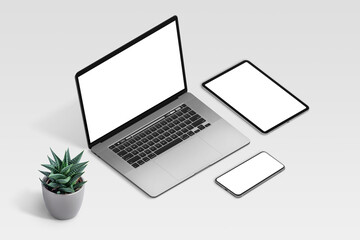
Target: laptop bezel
{"points": [[112, 54]]}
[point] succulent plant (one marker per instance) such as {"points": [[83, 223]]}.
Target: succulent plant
{"points": [[64, 175]]}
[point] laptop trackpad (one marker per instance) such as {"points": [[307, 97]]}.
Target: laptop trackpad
{"points": [[188, 158]]}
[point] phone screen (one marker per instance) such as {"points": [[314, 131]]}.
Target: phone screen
{"points": [[250, 174]]}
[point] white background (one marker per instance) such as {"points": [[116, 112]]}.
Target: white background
{"points": [[255, 96], [310, 47], [138, 78]]}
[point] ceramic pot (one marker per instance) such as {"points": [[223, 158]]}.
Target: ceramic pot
{"points": [[63, 206]]}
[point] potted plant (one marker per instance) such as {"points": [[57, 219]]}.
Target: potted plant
{"points": [[63, 186]]}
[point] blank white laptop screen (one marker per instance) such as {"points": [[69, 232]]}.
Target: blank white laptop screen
{"points": [[132, 81], [255, 96]]}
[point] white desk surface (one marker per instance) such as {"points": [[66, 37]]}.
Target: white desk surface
{"points": [[310, 47]]}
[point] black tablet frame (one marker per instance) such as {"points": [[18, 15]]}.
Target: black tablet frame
{"points": [[243, 116], [112, 54]]}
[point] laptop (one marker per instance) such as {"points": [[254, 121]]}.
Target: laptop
{"points": [[140, 118]]}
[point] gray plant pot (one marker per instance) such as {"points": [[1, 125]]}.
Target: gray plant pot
{"points": [[63, 206]]}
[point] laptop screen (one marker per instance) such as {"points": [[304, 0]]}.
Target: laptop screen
{"points": [[131, 82]]}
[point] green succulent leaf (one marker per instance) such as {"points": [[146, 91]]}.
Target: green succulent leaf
{"points": [[79, 185], [76, 159], [53, 185], [76, 168], [74, 178], [42, 182], [67, 190], [52, 162], [57, 176], [66, 158], [66, 170], [57, 159], [45, 173], [50, 167], [63, 181]]}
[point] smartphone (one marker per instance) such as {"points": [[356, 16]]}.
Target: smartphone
{"points": [[249, 174]]}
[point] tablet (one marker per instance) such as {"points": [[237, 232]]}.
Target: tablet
{"points": [[255, 96]]}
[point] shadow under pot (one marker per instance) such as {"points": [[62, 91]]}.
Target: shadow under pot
{"points": [[63, 206]]}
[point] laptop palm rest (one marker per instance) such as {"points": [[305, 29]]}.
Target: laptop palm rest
{"points": [[183, 162]]}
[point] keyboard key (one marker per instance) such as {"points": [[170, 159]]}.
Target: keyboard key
{"points": [[197, 130], [142, 154], [116, 150], [190, 133], [179, 133], [137, 137], [160, 131], [198, 122], [174, 116], [170, 125], [187, 121], [163, 142], [166, 147], [161, 137], [179, 113], [145, 159], [147, 131], [182, 125], [177, 128], [121, 147], [184, 130], [134, 146], [112, 147], [129, 149], [201, 127], [158, 125], [155, 134], [166, 128], [171, 131], [147, 151], [152, 148], [168, 139], [181, 119], [122, 153], [134, 152], [133, 160], [150, 137], [186, 109], [168, 119], [142, 134], [173, 136], [126, 144], [176, 121], [187, 115], [196, 117], [140, 149], [151, 143], [166, 134], [135, 165], [185, 136], [152, 155], [145, 146], [153, 129], [158, 145], [132, 141], [207, 125], [145, 140], [139, 143], [192, 112], [156, 140], [141, 162], [163, 122], [127, 156]]}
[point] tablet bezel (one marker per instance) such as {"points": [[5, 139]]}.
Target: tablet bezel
{"points": [[244, 117]]}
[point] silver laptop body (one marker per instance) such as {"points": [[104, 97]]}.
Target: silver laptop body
{"points": [[141, 120]]}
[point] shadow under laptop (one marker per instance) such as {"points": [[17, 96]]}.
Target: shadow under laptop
{"points": [[64, 123]]}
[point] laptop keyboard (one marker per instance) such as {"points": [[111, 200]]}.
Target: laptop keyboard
{"points": [[174, 127]]}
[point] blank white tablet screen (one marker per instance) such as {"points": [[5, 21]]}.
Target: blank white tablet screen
{"points": [[255, 96]]}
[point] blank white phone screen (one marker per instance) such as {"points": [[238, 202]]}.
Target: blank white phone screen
{"points": [[248, 174], [255, 96], [132, 82]]}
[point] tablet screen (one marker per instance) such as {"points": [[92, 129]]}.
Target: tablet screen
{"points": [[255, 96]]}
